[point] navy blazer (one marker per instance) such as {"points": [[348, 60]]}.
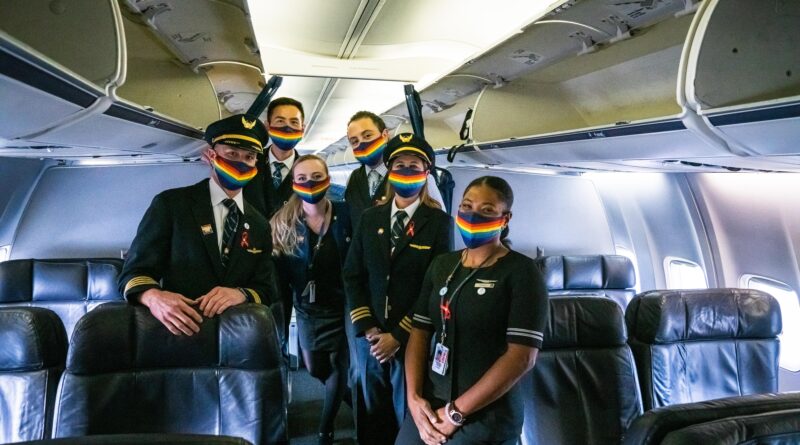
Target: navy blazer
{"points": [[373, 275], [357, 193], [293, 269], [176, 249], [262, 194]]}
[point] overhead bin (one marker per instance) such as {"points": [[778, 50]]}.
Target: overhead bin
{"points": [[743, 74]]}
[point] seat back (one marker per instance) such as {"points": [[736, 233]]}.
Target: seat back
{"points": [[583, 388], [127, 374], [773, 428], [654, 425], [33, 349], [695, 345], [610, 276], [69, 287]]}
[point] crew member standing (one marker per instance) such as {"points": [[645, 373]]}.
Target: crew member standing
{"points": [[204, 245], [391, 250]]}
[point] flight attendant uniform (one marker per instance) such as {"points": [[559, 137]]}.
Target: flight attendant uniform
{"points": [[382, 284], [320, 315], [489, 308]]}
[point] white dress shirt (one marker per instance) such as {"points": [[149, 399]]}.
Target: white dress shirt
{"points": [[287, 163], [218, 208], [409, 211]]}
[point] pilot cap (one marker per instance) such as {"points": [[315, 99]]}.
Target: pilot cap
{"points": [[240, 131], [408, 144]]}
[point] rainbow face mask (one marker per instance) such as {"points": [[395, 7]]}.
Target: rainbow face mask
{"points": [[312, 191], [477, 230], [370, 152], [233, 175], [285, 138], [407, 182]]}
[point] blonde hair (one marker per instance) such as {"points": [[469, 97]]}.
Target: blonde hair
{"points": [[284, 223]]}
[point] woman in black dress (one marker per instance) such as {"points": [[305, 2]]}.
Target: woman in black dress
{"points": [[311, 235], [477, 328]]}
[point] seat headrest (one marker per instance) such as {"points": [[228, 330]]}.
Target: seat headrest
{"points": [[59, 280], [122, 337], [587, 272], [577, 322], [666, 316], [31, 339]]}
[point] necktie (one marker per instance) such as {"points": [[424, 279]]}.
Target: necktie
{"points": [[277, 175], [398, 226], [374, 178], [231, 224]]}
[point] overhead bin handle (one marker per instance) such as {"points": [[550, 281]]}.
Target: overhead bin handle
{"points": [[414, 105], [263, 98]]}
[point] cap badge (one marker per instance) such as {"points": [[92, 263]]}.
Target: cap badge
{"points": [[248, 124], [403, 137]]}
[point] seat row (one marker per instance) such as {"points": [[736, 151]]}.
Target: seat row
{"points": [[124, 373], [676, 354]]}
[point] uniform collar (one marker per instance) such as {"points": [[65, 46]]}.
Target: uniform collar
{"points": [[218, 195], [288, 162], [409, 210], [381, 169]]}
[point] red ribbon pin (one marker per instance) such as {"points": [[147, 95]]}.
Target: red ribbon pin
{"points": [[410, 229], [245, 239]]}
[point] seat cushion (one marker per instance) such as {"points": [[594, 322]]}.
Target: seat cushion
{"points": [[773, 428]]}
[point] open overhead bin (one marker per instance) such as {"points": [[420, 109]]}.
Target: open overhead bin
{"points": [[103, 78], [743, 74]]}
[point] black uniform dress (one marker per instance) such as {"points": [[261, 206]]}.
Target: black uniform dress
{"points": [[176, 249], [320, 323], [373, 277], [357, 193], [500, 304]]}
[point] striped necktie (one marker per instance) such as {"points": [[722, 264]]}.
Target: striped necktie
{"points": [[231, 224], [398, 226], [374, 178], [277, 174]]}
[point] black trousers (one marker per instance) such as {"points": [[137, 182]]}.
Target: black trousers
{"points": [[409, 435], [383, 392]]}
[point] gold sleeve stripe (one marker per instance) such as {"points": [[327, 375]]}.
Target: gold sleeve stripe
{"points": [[359, 309], [359, 317], [405, 328], [362, 311], [139, 281], [405, 324], [253, 294]]}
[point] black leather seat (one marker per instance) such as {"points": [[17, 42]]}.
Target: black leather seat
{"points": [[143, 439], [654, 425], [609, 276], [33, 348], [695, 345], [70, 288], [127, 374], [583, 389], [774, 428]]}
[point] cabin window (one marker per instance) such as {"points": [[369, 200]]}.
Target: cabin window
{"points": [[5, 252], [790, 312], [684, 274], [628, 253]]}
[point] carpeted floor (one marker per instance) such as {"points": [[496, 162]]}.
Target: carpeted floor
{"points": [[305, 408]]}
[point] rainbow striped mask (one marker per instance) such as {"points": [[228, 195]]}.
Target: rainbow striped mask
{"points": [[370, 152], [407, 182], [477, 230], [285, 137], [312, 191], [233, 175]]}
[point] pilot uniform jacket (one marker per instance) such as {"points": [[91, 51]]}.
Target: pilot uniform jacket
{"points": [[260, 192], [176, 249], [294, 275], [374, 275], [357, 193]]}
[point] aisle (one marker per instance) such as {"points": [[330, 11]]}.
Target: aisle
{"points": [[304, 413]]}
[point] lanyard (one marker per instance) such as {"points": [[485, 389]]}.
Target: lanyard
{"points": [[322, 231], [446, 303]]}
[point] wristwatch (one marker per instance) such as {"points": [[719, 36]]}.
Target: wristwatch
{"points": [[455, 416]]}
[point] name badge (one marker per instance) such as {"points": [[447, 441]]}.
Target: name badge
{"points": [[440, 356], [311, 292]]}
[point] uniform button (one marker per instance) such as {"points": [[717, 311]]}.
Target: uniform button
{"points": [[334, 218], [347, 239], [387, 279]]}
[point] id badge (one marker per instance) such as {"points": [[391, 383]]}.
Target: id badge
{"points": [[439, 365], [311, 292]]}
